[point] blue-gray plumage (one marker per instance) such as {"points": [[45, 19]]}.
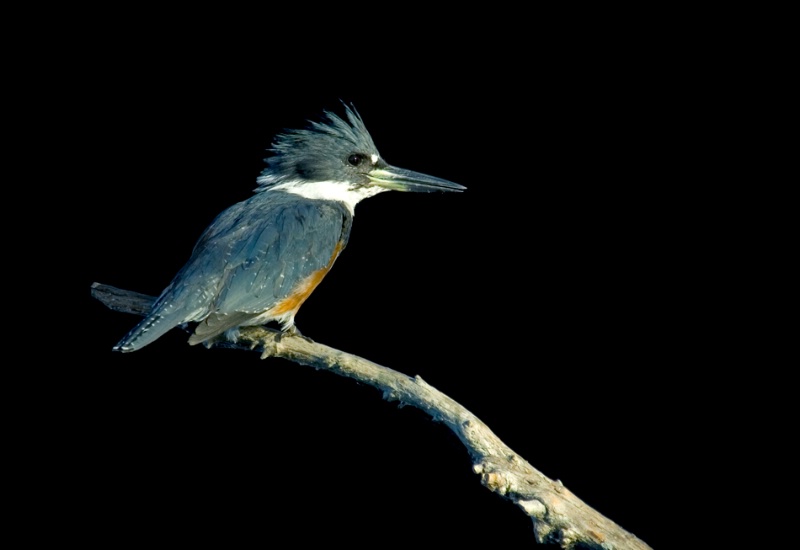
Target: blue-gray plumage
{"points": [[261, 258]]}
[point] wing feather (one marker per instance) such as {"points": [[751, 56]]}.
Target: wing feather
{"points": [[298, 239], [248, 260]]}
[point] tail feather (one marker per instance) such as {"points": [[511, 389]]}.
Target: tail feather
{"points": [[146, 332]]}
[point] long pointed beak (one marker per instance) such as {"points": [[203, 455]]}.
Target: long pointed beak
{"points": [[400, 179]]}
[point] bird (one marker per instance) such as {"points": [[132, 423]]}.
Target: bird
{"points": [[260, 259]]}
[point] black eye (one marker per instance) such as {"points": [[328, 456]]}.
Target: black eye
{"points": [[355, 159]]}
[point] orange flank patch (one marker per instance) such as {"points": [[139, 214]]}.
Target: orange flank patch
{"points": [[302, 291]]}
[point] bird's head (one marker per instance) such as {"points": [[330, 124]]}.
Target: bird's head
{"points": [[343, 153]]}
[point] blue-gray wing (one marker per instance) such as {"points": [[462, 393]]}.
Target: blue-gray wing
{"points": [[286, 244], [249, 259]]}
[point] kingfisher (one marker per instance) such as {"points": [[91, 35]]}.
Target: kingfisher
{"points": [[260, 259]]}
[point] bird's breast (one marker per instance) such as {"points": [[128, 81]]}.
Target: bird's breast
{"points": [[306, 286]]}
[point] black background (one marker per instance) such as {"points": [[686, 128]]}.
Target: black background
{"points": [[556, 299]]}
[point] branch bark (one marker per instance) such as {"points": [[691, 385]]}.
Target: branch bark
{"points": [[558, 515]]}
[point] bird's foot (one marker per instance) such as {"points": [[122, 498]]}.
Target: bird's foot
{"points": [[269, 342], [294, 331]]}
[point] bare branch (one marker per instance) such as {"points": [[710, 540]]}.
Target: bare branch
{"points": [[558, 515]]}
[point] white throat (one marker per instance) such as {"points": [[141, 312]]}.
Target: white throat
{"points": [[341, 191]]}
